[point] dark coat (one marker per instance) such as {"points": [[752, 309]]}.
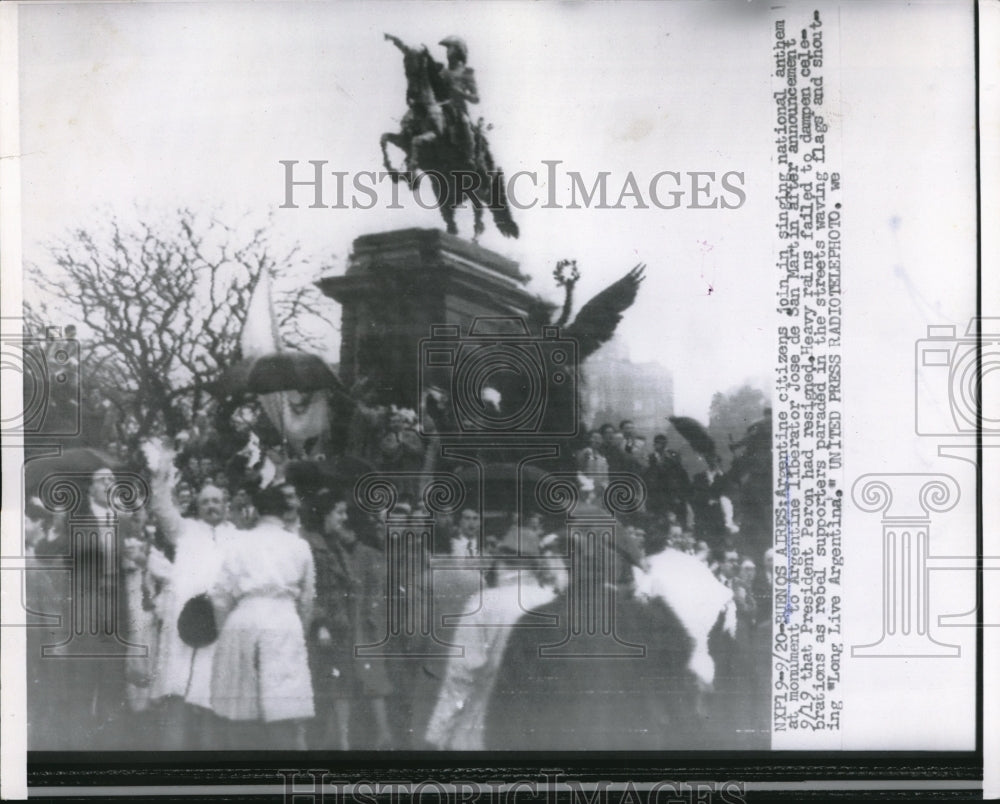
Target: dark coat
{"points": [[709, 519], [78, 699], [350, 603], [548, 703], [667, 484]]}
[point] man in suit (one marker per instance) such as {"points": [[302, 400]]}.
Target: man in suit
{"points": [[667, 483], [90, 668]]}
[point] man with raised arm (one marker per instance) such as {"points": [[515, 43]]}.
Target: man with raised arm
{"points": [[183, 674]]}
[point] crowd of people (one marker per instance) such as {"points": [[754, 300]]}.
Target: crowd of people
{"points": [[248, 611]]}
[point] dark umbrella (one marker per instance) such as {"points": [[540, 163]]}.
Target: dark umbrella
{"points": [[76, 461], [696, 435], [281, 371]]}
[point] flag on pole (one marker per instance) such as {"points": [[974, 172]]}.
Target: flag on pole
{"points": [[261, 336], [695, 595], [299, 416]]}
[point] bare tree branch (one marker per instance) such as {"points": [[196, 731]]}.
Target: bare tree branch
{"points": [[160, 309]]}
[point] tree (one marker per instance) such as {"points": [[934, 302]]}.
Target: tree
{"points": [[159, 308], [731, 414]]}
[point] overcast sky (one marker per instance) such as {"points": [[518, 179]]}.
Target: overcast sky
{"points": [[155, 106], [158, 105]]}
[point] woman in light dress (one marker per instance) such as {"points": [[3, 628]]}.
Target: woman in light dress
{"points": [[260, 676]]}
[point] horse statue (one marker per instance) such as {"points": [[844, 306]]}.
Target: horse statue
{"points": [[442, 144]]}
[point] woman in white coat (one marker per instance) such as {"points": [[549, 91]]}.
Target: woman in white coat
{"points": [[260, 675]]}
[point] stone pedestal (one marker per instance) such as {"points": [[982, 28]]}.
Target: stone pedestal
{"points": [[398, 285]]}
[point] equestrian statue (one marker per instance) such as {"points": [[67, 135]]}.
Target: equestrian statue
{"points": [[442, 143]]}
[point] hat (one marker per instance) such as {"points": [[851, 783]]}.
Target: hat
{"points": [[456, 42], [196, 623]]}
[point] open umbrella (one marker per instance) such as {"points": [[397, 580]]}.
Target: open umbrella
{"points": [[696, 435], [292, 387], [281, 371]]}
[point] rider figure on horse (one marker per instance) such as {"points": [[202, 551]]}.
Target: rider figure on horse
{"points": [[440, 140], [445, 112], [460, 81]]}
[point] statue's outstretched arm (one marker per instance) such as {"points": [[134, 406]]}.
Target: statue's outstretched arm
{"points": [[397, 42]]}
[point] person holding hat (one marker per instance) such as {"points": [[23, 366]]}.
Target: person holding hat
{"points": [[182, 676]]}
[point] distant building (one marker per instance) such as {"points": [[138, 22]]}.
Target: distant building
{"points": [[615, 388]]}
